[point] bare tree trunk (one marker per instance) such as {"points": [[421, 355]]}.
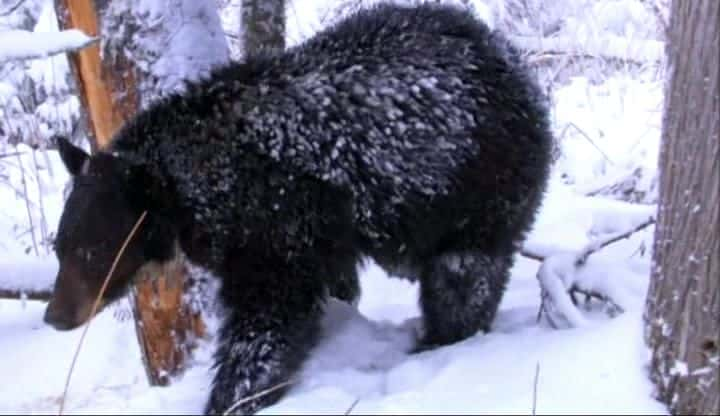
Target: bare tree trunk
{"points": [[147, 52], [683, 305], [94, 78], [263, 25]]}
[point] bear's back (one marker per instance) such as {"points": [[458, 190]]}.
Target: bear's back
{"points": [[391, 105]]}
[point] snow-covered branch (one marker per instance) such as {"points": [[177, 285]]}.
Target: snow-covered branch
{"points": [[25, 294], [563, 274], [596, 245], [23, 44], [27, 279]]}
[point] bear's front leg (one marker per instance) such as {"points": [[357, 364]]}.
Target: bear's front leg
{"points": [[262, 344]]}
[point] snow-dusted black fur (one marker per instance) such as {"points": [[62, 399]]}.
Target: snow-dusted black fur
{"points": [[412, 135]]}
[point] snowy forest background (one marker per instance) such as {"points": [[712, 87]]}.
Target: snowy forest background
{"points": [[602, 64], [602, 52]]}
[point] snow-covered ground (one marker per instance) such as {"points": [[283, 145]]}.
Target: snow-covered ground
{"points": [[363, 358], [609, 131]]}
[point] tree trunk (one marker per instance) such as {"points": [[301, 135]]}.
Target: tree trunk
{"points": [[263, 24], [147, 52], [683, 306], [94, 78]]}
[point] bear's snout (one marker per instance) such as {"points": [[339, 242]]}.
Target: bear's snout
{"points": [[71, 303], [59, 319]]}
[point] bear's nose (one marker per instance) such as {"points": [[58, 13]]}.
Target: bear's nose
{"points": [[57, 319]]}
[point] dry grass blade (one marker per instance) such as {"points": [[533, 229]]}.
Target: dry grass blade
{"points": [[352, 406], [535, 388], [96, 304], [592, 142], [256, 396]]}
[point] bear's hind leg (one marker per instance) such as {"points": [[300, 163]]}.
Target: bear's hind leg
{"points": [[459, 294]]}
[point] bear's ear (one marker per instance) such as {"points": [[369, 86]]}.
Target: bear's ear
{"points": [[72, 156]]}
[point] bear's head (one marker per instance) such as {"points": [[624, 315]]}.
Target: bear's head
{"points": [[99, 214]]}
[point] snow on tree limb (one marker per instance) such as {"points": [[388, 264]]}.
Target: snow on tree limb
{"points": [[556, 275], [23, 44], [601, 46], [596, 245], [27, 279], [25, 294], [564, 273]]}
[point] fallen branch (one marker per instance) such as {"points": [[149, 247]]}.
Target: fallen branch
{"points": [[560, 283], [25, 294], [27, 278], [20, 45]]}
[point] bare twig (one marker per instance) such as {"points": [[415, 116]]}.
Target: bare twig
{"points": [[96, 304], [599, 244], [593, 246], [41, 202], [12, 8], [259, 394], [661, 17], [525, 252], [624, 188], [544, 309], [541, 309], [592, 142], [590, 295], [27, 204]]}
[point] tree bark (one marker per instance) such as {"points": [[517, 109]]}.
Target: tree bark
{"points": [[94, 78], [145, 56], [263, 24], [683, 305]]}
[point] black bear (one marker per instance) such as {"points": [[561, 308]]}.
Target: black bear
{"points": [[411, 135]]}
